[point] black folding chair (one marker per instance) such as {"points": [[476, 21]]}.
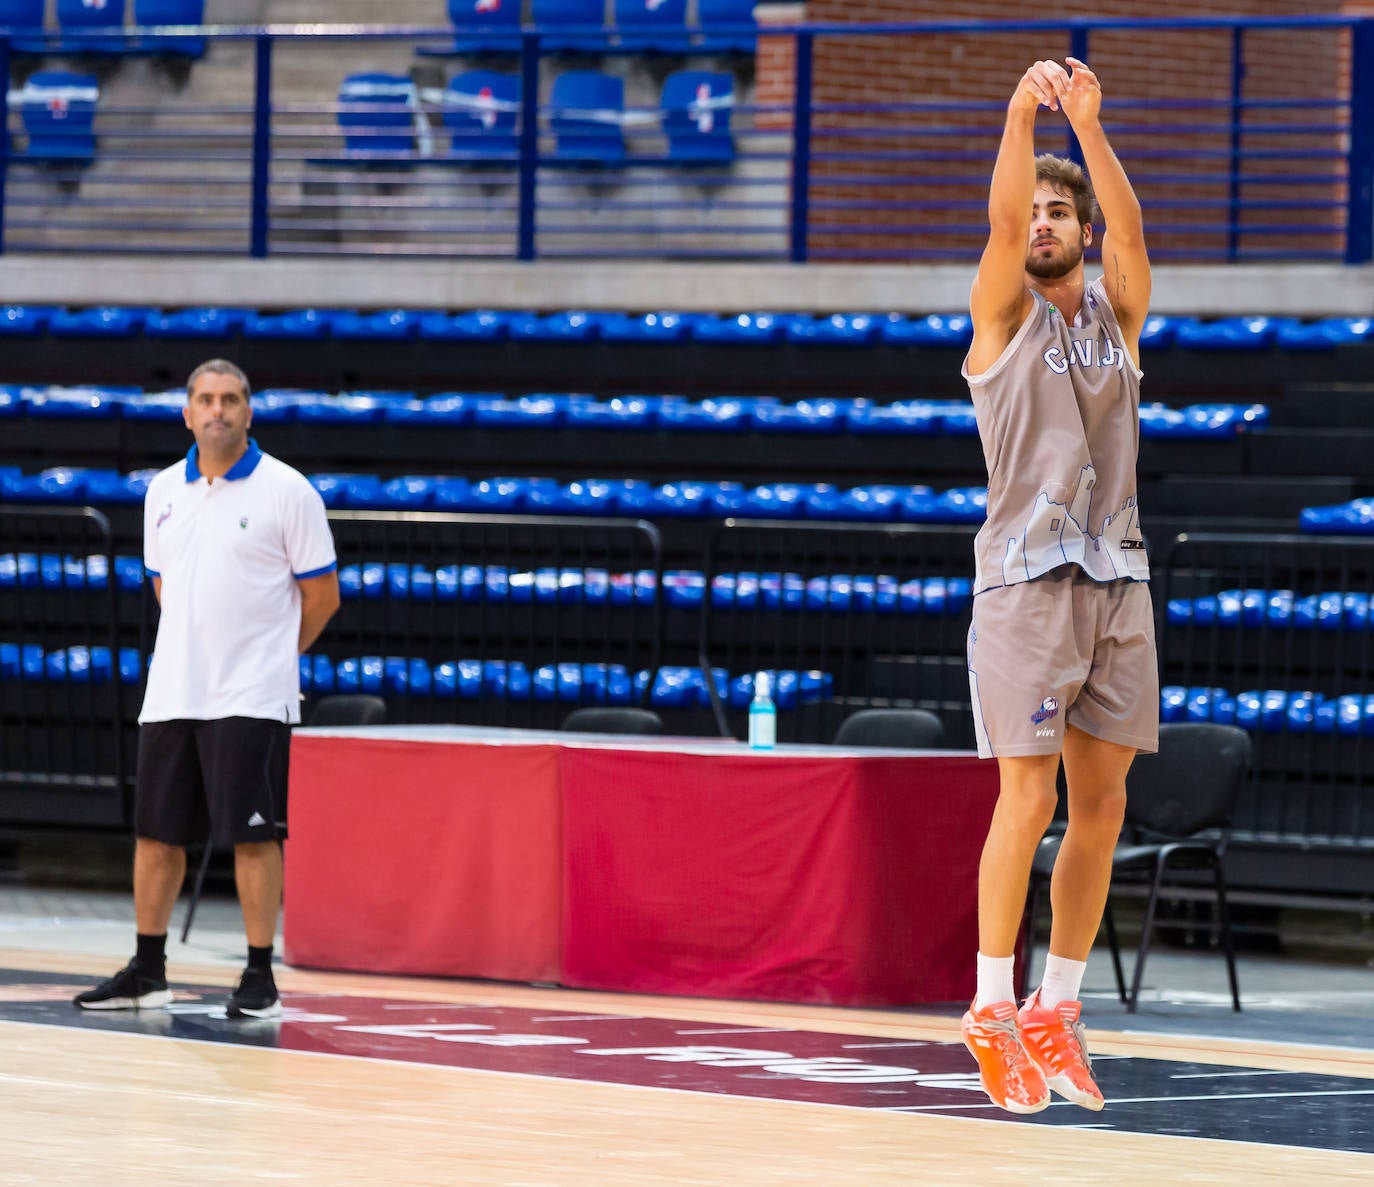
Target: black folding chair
{"points": [[1179, 805]]}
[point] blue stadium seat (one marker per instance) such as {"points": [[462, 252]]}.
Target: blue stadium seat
{"points": [[299, 324], [209, 321], [88, 17], [480, 325], [1355, 518], [556, 16], [647, 327], [839, 329], [803, 416], [481, 113], [388, 325], [587, 110], [1158, 331], [914, 417], [25, 320], [742, 327], [696, 116], [652, 26], [103, 321], [89, 403], [24, 14], [1326, 334], [482, 27], [939, 329], [1226, 333], [377, 117], [58, 111], [571, 325], [618, 412], [171, 12], [716, 39]]}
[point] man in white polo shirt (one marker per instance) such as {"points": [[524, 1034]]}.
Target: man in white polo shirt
{"points": [[243, 566]]}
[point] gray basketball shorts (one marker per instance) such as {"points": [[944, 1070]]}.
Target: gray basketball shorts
{"points": [[1063, 650]]}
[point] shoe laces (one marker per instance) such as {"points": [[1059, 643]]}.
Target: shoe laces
{"points": [[1005, 1035]]}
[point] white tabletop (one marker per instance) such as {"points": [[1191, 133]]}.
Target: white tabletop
{"points": [[499, 736]]}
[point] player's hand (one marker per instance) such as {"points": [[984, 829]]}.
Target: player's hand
{"points": [[1045, 83], [1082, 99]]}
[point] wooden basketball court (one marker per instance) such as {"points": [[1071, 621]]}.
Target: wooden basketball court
{"points": [[370, 1080]]}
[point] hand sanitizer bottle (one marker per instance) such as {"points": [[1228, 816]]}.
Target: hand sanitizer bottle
{"points": [[763, 714]]}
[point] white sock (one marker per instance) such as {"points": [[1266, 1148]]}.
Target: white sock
{"points": [[1062, 980], [995, 980]]}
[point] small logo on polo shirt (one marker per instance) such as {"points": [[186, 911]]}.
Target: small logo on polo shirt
{"points": [[165, 515], [255, 820], [243, 523]]}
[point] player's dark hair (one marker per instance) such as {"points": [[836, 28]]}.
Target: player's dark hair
{"points": [[1067, 177]]}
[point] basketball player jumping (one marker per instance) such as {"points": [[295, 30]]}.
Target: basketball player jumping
{"points": [[1061, 648]]}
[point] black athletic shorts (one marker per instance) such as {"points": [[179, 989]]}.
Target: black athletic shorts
{"points": [[230, 773]]}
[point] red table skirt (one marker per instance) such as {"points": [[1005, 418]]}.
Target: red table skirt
{"points": [[845, 879]]}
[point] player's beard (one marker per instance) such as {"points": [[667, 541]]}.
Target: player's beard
{"points": [[1055, 267]]}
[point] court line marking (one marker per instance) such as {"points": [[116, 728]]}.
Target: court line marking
{"points": [[741, 1030], [1005, 1119], [1223, 1075], [881, 1046]]}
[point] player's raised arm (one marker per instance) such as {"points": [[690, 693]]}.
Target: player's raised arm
{"points": [[998, 301], [1125, 263]]}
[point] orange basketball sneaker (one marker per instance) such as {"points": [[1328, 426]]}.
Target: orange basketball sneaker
{"points": [[1011, 1079], [1055, 1040]]}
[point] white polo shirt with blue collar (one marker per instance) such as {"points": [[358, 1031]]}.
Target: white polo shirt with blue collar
{"points": [[229, 554]]}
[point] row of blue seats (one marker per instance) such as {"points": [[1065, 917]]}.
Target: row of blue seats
{"points": [[547, 496], [466, 679], [1270, 711], [1330, 611], [1355, 518], [682, 588], [853, 329], [84, 19], [573, 410], [574, 26]]}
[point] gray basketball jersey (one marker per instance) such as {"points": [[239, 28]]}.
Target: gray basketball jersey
{"points": [[1059, 417]]}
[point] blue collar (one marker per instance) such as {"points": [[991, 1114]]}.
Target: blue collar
{"points": [[240, 469]]}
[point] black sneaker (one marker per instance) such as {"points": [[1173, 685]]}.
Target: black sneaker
{"points": [[255, 997], [132, 988]]}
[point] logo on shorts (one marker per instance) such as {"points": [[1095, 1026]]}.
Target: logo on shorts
{"points": [[255, 820], [1129, 544], [1049, 707], [243, 523]]}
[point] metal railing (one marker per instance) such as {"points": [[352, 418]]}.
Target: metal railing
{"points": [[1277, 628], [64, 752], [876, 611], [1253, 165]]}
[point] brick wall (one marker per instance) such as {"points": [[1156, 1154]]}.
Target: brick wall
{"points": [[927, 173]]}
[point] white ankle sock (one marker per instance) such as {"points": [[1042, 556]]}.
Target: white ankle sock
{"points": [[1063, 977], [995, 980]]}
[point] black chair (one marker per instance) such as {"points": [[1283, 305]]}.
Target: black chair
{"points": [[348, 709], [899, 729], [1179, 805], [616, 719], [340, 709]]}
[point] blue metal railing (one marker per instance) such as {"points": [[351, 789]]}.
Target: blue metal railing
{"points": [[1233, 175]]}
